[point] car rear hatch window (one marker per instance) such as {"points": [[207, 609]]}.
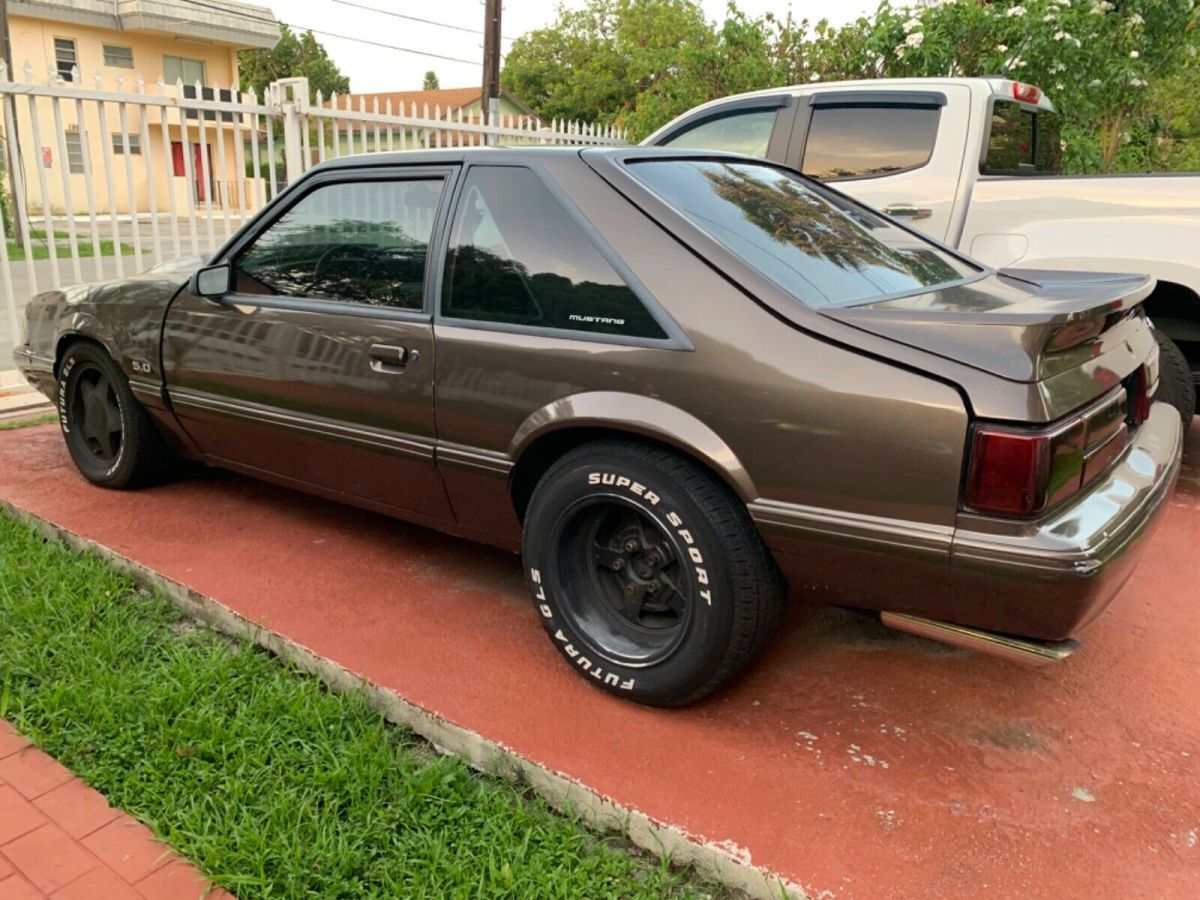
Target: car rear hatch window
{"points": [[819, 246]]}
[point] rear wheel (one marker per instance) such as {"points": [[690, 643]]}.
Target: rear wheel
{"points": [[109, 435], [647, 572], [1176, 384]]}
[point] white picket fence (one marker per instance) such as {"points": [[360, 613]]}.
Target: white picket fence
{"points": [[115, 178]]}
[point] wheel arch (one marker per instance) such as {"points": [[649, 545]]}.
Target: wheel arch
{"points": [[567, 423]]}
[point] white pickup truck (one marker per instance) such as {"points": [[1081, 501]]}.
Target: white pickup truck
{"points": [[974, 162]]}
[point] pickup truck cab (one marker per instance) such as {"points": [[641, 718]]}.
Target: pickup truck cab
{"points": [[974, 163]]}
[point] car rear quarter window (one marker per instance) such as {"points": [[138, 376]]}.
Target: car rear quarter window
{"points": [[868, 141], [362, 242], [746, 131], [818, 245], [1023, 141], [517, 257]]}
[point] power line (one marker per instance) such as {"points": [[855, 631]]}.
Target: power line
{"points": [[388, 12], [344, 37]]}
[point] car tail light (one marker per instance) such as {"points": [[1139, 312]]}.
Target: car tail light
{"points": [[1021, 472], [1026, 93]]}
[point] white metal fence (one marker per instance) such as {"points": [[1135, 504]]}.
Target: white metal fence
{"points": [[110, 179]]}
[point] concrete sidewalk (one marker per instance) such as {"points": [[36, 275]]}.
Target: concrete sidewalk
{"points": [[853, 761], [61, 839]]}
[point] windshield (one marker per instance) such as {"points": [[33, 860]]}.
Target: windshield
{"points": [[822, 248]]}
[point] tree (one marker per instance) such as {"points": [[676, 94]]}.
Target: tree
{"points": [[296, 55], [431, 81], [1102, 62]]}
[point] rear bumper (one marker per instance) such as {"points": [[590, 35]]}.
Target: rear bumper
{"points": [[1041, 580], [1054, 576]]}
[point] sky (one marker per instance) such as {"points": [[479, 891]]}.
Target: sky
{"points": [[374, 68]]}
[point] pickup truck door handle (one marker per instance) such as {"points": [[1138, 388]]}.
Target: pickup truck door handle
{"points": [[908, 211], [391, 359]]}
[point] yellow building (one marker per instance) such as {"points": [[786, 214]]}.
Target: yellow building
{"points": [[109, 44]]}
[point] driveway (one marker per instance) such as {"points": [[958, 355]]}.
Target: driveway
{"points": [[855, 761]]}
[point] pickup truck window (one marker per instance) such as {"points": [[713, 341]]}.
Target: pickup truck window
{"points": [[747, 131], [1023, 141], [819, 246], [868, 141]]}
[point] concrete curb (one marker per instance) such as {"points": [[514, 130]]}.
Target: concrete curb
{"points": [[726, 863]]}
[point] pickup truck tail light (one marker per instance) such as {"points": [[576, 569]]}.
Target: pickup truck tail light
{"points": [[1026, 93], [1022, 472]]}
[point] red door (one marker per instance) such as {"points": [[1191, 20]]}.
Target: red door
{"points": [[197, 166], [202, 189]]}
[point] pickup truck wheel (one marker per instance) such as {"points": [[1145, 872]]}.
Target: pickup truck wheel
{"points": [[1176, 384], [109, 435], [647, 572]]}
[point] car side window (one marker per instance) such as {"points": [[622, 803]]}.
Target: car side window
{"points": [[868, 141], [746, 131], [517, 257], [355, 241]]}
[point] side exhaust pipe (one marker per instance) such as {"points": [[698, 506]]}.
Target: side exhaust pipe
{"points": [[1027, 651]]}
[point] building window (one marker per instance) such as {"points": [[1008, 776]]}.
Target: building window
{"points": [[135, 143], [66, 59], [74, 153], [118, 56], [179, 67]]}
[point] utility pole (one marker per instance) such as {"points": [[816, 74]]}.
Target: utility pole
{"points": [[10, 163], [491, 62]]}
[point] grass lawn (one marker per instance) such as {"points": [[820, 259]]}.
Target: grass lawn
{"points": [[44, 419], [41, 250], [252, 770]]}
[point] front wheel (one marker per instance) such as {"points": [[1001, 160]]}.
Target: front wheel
{"points": [[647, 572], [109, 435]]}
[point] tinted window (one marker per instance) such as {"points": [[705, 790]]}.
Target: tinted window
{"points": [[820, 247], [1023, 142], [516, 256], [868, 141], [743, 132], [361, 241]]}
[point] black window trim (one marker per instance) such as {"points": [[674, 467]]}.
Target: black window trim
{"points": [[906, 99], [724, 110], [987, 140], [865, 100], [323, 178], [675, 338]]}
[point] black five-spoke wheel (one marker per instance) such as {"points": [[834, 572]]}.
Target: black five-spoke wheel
{"points": [[626, 590], [97, 411]]}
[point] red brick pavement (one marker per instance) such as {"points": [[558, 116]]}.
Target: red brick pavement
{"points": [[61, 839]]}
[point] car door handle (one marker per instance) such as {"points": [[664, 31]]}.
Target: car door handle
{"points": [[391, 359], [908, 211]]}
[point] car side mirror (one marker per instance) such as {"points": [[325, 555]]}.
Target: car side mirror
{"points": [[213, 282]]}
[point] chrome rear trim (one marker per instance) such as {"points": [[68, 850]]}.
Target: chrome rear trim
{"points": [[1026, 651]]}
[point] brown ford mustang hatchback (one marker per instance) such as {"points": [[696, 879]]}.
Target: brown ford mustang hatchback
{"points": [[680, 383]]}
